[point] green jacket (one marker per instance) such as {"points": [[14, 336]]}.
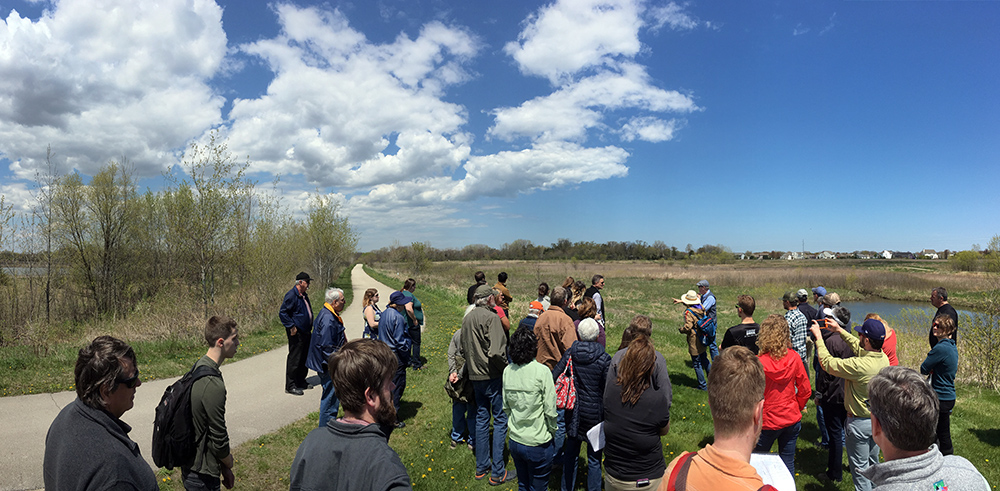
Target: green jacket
{"points": [[208, 411], [529, 399], [856, 371]]}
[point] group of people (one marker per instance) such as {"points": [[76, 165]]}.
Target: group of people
{"points": [[312, 340], [844, 366], [551, 387]]}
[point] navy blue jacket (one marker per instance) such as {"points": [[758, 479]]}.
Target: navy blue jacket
{"points": [[392, 330], [294, 312], [328, 338], [590, 368]]}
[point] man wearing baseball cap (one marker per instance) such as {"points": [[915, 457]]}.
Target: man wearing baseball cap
{"points": [[862, 452], [535, 308], [296, 315]]}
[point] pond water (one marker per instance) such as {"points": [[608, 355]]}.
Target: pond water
{"points": [[901, 315]]}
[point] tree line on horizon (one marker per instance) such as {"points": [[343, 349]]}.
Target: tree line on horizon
{"points": [[98, 249]]}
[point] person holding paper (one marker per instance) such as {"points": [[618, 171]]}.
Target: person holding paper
{"points": [[736, 399]]}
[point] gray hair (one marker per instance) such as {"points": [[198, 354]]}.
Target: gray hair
{"points": [[559, 297], [588, 329], [485, 301], [906, 407], [334, 294]]}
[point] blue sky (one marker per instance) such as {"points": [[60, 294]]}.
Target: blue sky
{"points": [[756, 125]]}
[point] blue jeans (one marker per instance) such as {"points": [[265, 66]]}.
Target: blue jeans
{"points": [[834, 416], [463, 421], [701, 368], [533, 465], [713, 350], [560, 437], [489, 401], [862, 452], [572, 455], [328, 402], [786, 437]]}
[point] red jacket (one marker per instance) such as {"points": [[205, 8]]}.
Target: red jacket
{"points": [[787, 390]]}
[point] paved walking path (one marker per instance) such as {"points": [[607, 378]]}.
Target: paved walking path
{"points": [[256, 402]]}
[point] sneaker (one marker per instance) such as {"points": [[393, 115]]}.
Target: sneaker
{"points": [[482, 475], [400, 424], [472, 449], [454, 444], [496, 481]]}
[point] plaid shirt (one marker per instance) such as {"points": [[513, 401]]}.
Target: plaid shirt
{"points": [[798, 328]]}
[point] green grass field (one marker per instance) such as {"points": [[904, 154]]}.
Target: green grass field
{"points": [[423, 445]]}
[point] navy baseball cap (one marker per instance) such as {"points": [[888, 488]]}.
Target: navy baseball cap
{"points": [[872, 329], [819, 291]]}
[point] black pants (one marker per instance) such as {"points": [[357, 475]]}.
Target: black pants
{"points": [[196, 481], [834, 416], [295, 366], [399, 378], [944, 427]]}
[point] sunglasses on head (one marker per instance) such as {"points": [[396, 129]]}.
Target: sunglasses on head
{"points": [[130, 382]]}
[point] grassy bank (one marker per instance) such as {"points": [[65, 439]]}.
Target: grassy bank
{"points": [[166, 337], [423, 445]]}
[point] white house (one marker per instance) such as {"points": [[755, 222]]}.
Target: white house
{"points": [[886, 254], [826, 255]]}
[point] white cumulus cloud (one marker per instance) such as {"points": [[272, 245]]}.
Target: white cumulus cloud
{"points": [[100, 79]]}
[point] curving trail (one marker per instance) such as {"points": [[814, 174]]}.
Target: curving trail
{"points": [[256, 402]]}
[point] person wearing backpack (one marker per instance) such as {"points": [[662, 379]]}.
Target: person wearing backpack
{"points": [[696, 348], [208, 411]]}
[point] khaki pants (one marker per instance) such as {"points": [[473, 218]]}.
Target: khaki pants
{"points": [[611, 483]]}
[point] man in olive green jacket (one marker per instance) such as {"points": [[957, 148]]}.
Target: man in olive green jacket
{"points": [[857, 371], [208, 411]]}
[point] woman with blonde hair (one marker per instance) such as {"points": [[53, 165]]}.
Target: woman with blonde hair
{"points": [[785, 392], [889, 345], [637, 398], [371, 313]]}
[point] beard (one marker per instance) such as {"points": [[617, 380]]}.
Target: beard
{"points": [[385, 415]]}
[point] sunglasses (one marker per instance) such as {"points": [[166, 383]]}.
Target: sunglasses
{"points": [[130, 382]]}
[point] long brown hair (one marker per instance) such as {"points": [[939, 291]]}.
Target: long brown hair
{"points": [[369, 295], [636, 368]]}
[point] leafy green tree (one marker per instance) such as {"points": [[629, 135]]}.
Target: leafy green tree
{"points": [[332, 241], [965, 261], [203, 209]]}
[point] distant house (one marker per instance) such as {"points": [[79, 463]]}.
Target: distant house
{"points": [[903, 255], [788, 256], [826, 255], [886, 254], [930, 253]]}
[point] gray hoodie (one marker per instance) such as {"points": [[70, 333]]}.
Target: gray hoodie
{"points": [[928, 471]]}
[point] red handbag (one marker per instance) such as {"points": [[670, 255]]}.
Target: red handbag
{"points": [[566, 387]]}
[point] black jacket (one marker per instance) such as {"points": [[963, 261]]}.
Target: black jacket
{"points": [[829, 388], [590, 368]]}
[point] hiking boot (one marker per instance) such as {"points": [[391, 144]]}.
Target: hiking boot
{"points": [[482, 475], [496, 481]]}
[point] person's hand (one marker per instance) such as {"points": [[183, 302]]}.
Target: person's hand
{"points": [[805, 410], [293, 331], [677, 300], [228, 479], [814, 329], [453, 377]]}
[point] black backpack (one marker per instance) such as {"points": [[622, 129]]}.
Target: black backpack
{"points": [[174, 443]]}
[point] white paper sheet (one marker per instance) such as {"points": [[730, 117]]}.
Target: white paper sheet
{"points": [[596, 436], [773, 471]]}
